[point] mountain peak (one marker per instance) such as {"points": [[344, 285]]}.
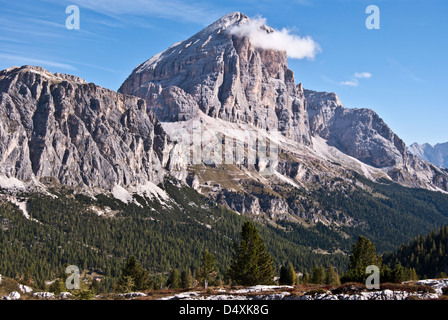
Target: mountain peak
{"points": [[229, 20], [221, 73], [28, 70]]}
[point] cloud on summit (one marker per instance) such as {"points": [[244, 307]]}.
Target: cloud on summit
{"points": [[296, 47]]}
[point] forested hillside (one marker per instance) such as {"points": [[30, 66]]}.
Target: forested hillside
{"points": [[68, 229], [428, 255]]}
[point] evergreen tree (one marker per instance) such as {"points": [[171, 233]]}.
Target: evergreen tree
{"points": [[332, 277], [158, 282], [413, 274], [398, 274], [363, 255], [173, 281], [208, 271], [283, 275], [287, 275], [306, 278], [318, 275], [251, 263], [291, 275], [186, 279], [133, 273]]}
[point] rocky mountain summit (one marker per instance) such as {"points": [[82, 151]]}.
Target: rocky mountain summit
{"points": [[221, 75], [56, 126], [437, 155], [221, 89], [225, 77]]}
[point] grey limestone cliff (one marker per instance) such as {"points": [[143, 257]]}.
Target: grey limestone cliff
{"points": [[60, 126]]}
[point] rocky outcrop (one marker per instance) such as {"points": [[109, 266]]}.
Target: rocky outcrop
{"points": [[362, 134], [437, 155], [243, 203], [284, 293], [59, 126], [225, 77]]}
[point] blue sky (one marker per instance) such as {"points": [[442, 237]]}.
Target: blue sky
{"points": [[407, 58]]}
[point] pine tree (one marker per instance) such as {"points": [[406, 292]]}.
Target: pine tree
{"points": [[173, 281], [208, 271], [332, 277], [305, 278], [398, 274], [363, 255], [186, 279], [133, 273], [413, 274], [251, 263], [287, 275], [318, 275], [283, 275]]}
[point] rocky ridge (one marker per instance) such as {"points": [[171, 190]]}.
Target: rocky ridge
{"points": [[437, 154], [222, 76], [59, 128]]}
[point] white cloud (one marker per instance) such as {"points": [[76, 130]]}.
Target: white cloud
{"points": [[354, 82], [19, 60], [362, 75], [189, 11], [350, 83], [261, 37]]}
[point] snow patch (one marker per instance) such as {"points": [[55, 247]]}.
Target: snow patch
{"points": [[261, 288], [11, 183], [287, 180], [121, 194], [150, 190]]}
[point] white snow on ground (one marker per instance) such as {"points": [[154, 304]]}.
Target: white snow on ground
{"points": [[287, 180], [107, 211], [325, 151], [150, 190], [25, 289], [247, 294], [131, 295], [21, 205], [11, 183], [121, 194], [147, 189], [261, 288], [437, 285], [181, 296]]}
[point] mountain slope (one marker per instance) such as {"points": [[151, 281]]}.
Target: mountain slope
{"points": [[437, 155], [427, 254], [59, 126], [362, 134], [223, 76], [237, 139]]}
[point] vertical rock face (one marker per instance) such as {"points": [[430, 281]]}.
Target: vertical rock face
{"points": [[56, 125], [360, 133], [225, 77]]}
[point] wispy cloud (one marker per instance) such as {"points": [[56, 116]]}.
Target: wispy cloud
{"points": [[362, 75], [283, 40], [188, 11], [354, 82], [20, 60], [350, 83]]}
